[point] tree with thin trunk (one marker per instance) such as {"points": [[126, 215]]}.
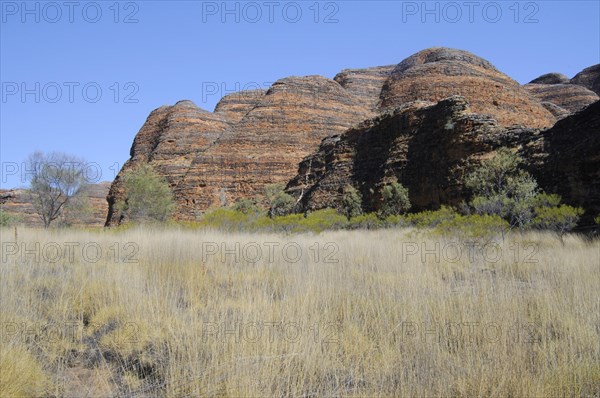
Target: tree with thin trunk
{"points": [[55, 179]]}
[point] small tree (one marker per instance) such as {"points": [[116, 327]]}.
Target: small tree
{"points": [[351, 202], [559, 219], [55, 178], [147, 195], [277, 201], [395, 200], [501, 188]]}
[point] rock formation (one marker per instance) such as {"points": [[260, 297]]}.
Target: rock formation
{"points": [[562, 96], [235, 106], [425, 146], [365, 83], [438, 73], [571, 166], [428, 148], [423, 122], [551, 78], [213, 159], [589, 78], [570, 97]]}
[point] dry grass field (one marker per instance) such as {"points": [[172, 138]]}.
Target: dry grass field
{"points": [[191, 313]]}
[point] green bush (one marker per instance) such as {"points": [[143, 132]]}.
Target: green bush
{"points": [[247, 206], [431, 218], [559, 219], [351, 203], [500, 187], [396, 221], [287, 223], [472, 227], [324, 219], [277, 201], [395, 200], [365, 221], [316, 221], [147, 195], [223, 218], [229, 219]]}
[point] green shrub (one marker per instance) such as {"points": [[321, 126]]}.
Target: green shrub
{"points": [[546, 200], [500, 187], [395, 200], [226, 219], [559, 219], [147, 195], [351, 203], [324, 219], [365, 221], [277, 201], [282, 205], [288, 223], [396, 221], [472, 227], [247, 206], [431, 218]]}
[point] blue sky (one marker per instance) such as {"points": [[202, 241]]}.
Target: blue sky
{"points": [[81, 77]]}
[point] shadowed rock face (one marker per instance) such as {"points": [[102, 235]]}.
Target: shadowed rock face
{"points": [[571, 166], [429, 148], [589, 78], [17, 202], [570, 97], [437, 73]]}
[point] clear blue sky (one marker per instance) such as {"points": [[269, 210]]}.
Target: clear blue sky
{"points": [[177, 50]]}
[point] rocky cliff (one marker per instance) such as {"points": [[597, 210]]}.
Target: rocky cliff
{"points": [[422, 121], [563, 96], [423, 145], [428, 148], [571, 166], [589, 78], [438, 73], [213, 159]]}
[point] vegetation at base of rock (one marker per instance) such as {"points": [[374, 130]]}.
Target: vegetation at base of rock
{"points": [[148, 197], [501, 188], [395, 200], [247, 206], [559, 219], [277, 200], [351, 202]]}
